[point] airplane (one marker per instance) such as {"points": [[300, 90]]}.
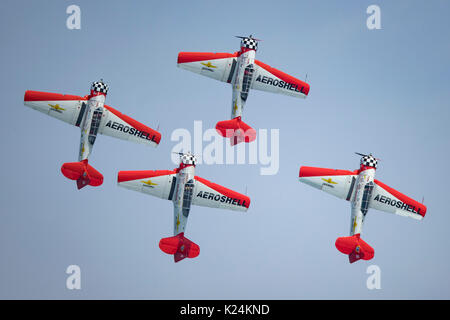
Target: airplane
{"points": [[363, 191], [93, 116], [183, 188], [243, 72]]}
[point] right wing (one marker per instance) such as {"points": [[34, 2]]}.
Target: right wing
{"points": [[118, 125], [209, 194], [67, 108], [219, 66], [269, 79], [158, 183], [389, 200], [339, 183]]}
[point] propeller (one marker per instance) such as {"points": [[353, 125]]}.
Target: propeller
{"points": [[182, 154], [361, 154], [366, 155], [251, 37]]}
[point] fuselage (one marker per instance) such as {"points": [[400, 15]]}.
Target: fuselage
{"points": [[183, 196], [360, 201], [90, 123], [242, 80]]}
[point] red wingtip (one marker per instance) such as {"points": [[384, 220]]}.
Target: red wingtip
{"points": [[237, 130], [83, 173], [180, 247], [355, 247]]}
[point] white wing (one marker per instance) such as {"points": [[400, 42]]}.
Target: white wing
{"points": [[273, 80], [209, 194], [339, 183], [158, 183], [219, 66], [67, 108], [389, 200], [121, 126]]}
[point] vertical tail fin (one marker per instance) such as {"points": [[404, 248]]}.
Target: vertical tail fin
{"points": [[180, 247], [237, 130], [355, 247], [83, 173]]}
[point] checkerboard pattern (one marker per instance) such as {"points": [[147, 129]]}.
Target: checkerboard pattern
{"points": [[99, 86]]}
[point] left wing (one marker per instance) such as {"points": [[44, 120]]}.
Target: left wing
{"points": [[219, 66], [158, 183], [209, 194], [339, 183], [121, 126], [389, 200], [273, 80], [65, 107]]}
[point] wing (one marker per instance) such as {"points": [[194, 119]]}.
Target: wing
{"points": [[71, 109], [158, 183], [219, 66], [387, 199], [209, 194], [118, 125], [67, 108], [273, 80], [339, 183]]}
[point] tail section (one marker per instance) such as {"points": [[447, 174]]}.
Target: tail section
{"points": [[180, 247], [83, 173], [237, 130], [355, 247]]}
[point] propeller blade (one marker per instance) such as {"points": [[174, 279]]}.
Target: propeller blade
{"points": [[250, 37]]}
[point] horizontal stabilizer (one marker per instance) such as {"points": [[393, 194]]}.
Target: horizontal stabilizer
{"points": [[180, 247], [237, 130], [355, 247], [83, 173]]}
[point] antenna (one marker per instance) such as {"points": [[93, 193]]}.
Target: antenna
{"points": [[306, 77]]}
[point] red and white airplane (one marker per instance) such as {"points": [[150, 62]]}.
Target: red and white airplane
{"points": [[243, 72], [183, 188], [363, 191], [92, 116]]}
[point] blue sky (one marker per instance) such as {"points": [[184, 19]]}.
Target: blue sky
{"points": [[380, 91]]}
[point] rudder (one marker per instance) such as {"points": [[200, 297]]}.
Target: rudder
{"points": [[237, 130], [180, 247], [355, 247], [83, 173]]}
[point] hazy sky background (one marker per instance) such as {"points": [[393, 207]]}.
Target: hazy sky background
{"points": [[380, 91]]}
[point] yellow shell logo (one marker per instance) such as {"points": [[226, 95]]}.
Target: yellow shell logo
{"points": [[329, 180], [56, 107], [209, 65], [149, 183]]}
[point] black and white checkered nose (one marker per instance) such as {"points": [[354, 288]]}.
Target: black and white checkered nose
{"points": [[188, 159], [369, 161], [99, 86], [249, 43]]}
